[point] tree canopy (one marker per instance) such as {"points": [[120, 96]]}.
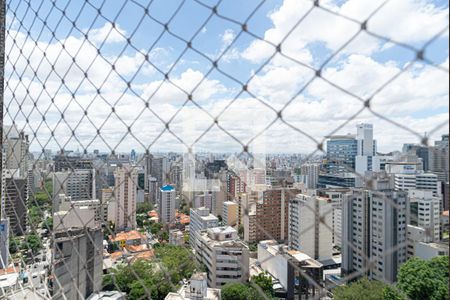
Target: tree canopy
{"points": [[421, 279], [153, 279], [416, 279]]}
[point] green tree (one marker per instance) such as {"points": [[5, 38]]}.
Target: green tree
{"points": [[235, 291], [155, 228], [35, 216], [391, 293], [144, 208], [361, 289], [177, 262], [264, 281], [420, 279], [32, 242], [48, 223], [14, 244], [140, 219], [140, 280]]}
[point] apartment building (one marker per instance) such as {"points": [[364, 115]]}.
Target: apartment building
{"points": [[374, 223], [266, 214], [230, 213], [224, 255], [200, 219], [310, 226], [125, 190]]}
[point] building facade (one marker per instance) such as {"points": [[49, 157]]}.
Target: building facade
{"points": [[167, 204], [125, 191], [374, 223], [310, 226], [224, 255]]}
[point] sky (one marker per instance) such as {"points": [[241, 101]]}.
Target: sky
{"points": [[119, 75]]}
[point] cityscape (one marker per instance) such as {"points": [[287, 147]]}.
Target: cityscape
{"points": [[262, 150], [295, 224]]}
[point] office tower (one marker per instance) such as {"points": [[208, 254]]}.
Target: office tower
{"points": [[66, 204], [422, 152], [14, 193], [438, 159], [156, 167], [166, 205], [14, 201], [133, 155], [224, 255], [366, 151], [339, 180], [310, 226], [425, 212], [4, 243], [341, 153], [77, 256], [374, 229], [445, 196], [68, 161], [125, 190], [79, 184], [420, 181], [310, 175], [15, 151], [200, 219], [230, 213], [176, 175], [153, 190], [266, 214]]}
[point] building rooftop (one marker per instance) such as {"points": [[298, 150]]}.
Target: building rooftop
{"points": [[107, 295], [129, 235], [167, 188]]}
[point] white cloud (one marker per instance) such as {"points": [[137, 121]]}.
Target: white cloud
{"points": [[405, 20], [109, 33], [418, 98]]}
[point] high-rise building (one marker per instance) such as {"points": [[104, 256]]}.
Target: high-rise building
{"points": [[125, 190], [310, 175], [366, 151], [166, 205], [422, 152], [200, 219], [310, 226], [68, 161], [230, 213], [374, 232], [15, 151], [66, 204], [14, 193], [266, 214], [438, 159], [420, 181], [77, 262], [341, 153], [337, 197], [224, 255], [14, 201], [79, 184], [425, 212]]}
